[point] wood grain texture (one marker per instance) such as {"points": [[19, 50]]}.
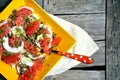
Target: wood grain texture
{"points": [[88, 14], [74, 6], [99, 56], [93, 24], [40, 2], [49, 78], [80, 75], [113, 40]]}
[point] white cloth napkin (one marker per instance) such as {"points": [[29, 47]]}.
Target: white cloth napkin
{"points": [[85, 46]]}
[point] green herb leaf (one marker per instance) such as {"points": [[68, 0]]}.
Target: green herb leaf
{"points": [[14, 15], [19, 32], [27, 20], [44, 35], [33, 36], [2, 30], [2, 41], [21, 35], [42, 27], [29, 40], [5, 53]]}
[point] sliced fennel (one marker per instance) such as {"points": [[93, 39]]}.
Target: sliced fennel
{"points": [[18, 31], [11, 49], [27, 61]]}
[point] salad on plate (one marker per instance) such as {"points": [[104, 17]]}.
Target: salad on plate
{"points": [[26, 42]]}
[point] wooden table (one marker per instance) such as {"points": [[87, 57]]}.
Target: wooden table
{"points": [[113, 40], [90, 15]]}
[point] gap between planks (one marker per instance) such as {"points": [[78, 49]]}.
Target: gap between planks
{"points": [[78, 75]]}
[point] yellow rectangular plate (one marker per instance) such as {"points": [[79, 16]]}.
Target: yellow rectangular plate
{"points": [[67, 40]]}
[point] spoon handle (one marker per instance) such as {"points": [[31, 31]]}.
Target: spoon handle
{"points": [[81, 58]]}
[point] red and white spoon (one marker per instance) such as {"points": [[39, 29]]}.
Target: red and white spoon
{"points": [[81, 58]]}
